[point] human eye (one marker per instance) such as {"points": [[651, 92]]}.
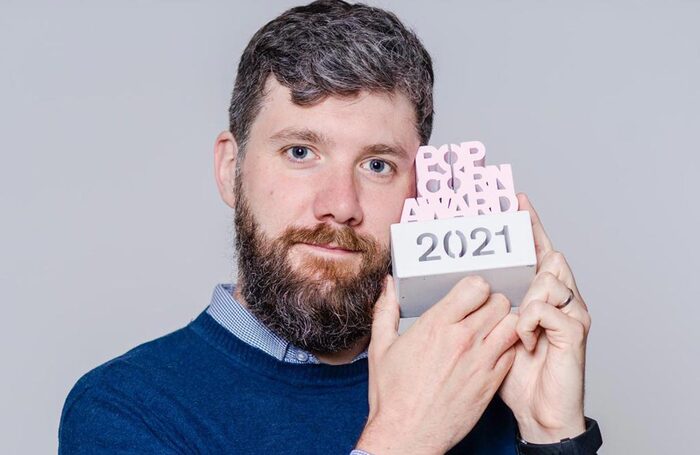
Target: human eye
{"points": [[379, 167], [299, 153]]}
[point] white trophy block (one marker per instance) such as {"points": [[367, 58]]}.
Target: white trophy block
{"points": [[464, 221], [430, 257]]}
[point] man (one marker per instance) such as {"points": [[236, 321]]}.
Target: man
{"points": [[302, 355]]}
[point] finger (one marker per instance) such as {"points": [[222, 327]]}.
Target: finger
{"points": [[504, 362], [385, 321], [503, 336], [561, 330], [483, 320], [555, 263], [549, 289], [542, 242], [464, 298], [546, 287]]}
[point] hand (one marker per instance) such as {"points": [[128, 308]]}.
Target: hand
{"points": [[429, 386], [544, 387]]}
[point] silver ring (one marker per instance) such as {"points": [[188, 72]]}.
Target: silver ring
{"points": [[567, 301]]}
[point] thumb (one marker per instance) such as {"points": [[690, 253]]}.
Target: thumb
{"points": [[385, 322]]}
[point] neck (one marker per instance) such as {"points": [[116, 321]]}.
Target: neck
{"points": [[336, 358]]}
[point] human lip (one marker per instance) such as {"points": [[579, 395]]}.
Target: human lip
{"points": [[329, 247]]}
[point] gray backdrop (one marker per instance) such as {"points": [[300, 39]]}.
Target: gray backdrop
{"points": [[113, 232]]}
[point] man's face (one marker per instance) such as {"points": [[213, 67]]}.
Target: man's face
{"points": [[318, 189]]}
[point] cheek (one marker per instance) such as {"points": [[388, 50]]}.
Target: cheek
{"points": [[277, 202], [380, 213]]}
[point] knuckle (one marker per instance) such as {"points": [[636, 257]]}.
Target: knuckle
{"points": [[535, 307], [476, 282], [466, 338], [500, 302], [503, 344], [504, 338], [547, 278], [587, 321], [556, 258]]}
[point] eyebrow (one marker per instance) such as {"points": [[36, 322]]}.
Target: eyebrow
{"points": [[308, 135], [300, 134], [384, 149]]}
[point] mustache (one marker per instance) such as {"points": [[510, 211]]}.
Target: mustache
{"points": [[321, 234]]}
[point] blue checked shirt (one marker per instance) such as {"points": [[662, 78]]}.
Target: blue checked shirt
{"points": [[235, 318]]}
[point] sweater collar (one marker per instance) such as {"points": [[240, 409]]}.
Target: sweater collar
{"points": [[254, 360]]}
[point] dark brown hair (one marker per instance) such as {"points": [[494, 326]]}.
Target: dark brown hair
{"points": [[331, 47]]}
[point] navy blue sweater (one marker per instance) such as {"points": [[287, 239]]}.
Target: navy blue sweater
{"points": [[202, 390]]}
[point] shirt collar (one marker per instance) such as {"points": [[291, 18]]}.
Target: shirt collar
{"points": [[238, 320]]}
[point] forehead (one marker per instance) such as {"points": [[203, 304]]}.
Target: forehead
{"points": [[365, 119]]}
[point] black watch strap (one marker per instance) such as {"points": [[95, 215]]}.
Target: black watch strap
{"points": [[587, 443]]}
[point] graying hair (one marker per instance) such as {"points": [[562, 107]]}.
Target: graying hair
{"points": [[331, 47]]}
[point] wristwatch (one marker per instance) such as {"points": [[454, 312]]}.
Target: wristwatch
{"points": [[587, 443]]}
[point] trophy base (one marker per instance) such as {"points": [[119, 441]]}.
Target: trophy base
{"points": [[430, 257]]}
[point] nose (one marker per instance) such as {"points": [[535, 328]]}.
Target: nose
{"points": [[337, 199]]}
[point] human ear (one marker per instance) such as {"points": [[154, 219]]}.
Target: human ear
{"points": [[225, 156]]}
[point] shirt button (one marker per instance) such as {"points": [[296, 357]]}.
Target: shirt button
{"points": [[302, 356]]}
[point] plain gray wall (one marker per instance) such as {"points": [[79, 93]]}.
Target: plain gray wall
{"points": [[113, 232]]}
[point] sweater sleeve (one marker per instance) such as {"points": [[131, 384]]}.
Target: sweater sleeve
{"points": [[97, 418]]}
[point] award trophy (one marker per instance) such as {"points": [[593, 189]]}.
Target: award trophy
{"points": [[464, 221]]}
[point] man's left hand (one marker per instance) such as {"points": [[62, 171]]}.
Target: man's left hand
{"points": [[544, 387]]}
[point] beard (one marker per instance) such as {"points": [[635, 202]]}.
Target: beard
{"points": [[322, 305]]}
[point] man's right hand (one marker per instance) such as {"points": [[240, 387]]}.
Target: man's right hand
{"points": [[429, 386]]}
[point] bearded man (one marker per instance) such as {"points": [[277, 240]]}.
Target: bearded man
{"points": [[302, 355]]}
